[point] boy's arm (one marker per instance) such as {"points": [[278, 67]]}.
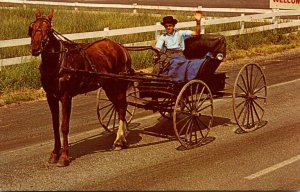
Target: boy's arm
{"points": [[198, 16]]}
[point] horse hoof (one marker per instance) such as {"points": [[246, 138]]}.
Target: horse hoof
{"points": [[63, 162], [118, 147], [53, 158]]}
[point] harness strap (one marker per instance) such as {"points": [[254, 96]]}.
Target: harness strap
{"points": [[84, 55]]}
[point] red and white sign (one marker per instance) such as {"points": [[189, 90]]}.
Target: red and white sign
{"points": [[285, 4]]}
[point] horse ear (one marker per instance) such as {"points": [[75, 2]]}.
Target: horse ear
{"points": [[38, 13], [51, 14]]}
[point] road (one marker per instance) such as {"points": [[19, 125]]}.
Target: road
{"points": [[266, 159]]}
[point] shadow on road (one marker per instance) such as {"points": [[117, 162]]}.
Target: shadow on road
{"points": [[103, 142]]}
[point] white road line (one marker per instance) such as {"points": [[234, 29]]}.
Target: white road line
{"points": [[273, 168], [284, 83]]}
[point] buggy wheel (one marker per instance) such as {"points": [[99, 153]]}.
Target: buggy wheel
{"points": [[106, 112], [249, 97], [167, 103], [166, 115], [193, 114]]}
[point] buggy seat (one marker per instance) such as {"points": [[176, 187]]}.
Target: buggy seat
{"points": [[202, 57], [198, 47]]}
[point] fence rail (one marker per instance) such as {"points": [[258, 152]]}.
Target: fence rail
{"points": [[135, 6], [156, 28]]}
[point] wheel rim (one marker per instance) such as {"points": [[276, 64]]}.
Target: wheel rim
{"points": [[249, 97], [106, 112], [193, 114]]}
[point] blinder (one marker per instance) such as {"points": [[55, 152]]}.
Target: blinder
{"points": [[30, 29], [43, 42]]}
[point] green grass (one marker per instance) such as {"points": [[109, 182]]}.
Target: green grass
{"points": [[22, 82]]}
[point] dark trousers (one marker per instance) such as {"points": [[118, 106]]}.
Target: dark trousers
{"points": [[164, 60]]}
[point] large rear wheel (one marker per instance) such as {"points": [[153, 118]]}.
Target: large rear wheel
{"points": [[249, 97]]}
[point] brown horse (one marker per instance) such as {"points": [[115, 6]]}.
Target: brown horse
{"points": [[59, 54]]}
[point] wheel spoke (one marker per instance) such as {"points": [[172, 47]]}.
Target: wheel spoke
{"points": [[248, 115], [237, 106], [187, 107], [197, 119], [188, 103], [259, 97], [256, 75], [207, 126], [105, 106], [258, 105], [188, 129], [114, 111], [256, 91], [256, 113], [245, 113], [115, 116], [247, 79], [196, 93], [107, 100], [191, 130], [112, 108], [261, 77], [195, 131], [192, 97], [242, 110], [128, 112], [204, 108], [181, 120], [245, 91], [200, 95], [201, 103], [250, 81], [252, 116]]}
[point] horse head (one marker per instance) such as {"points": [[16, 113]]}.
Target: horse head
{"points": [[39, 31]]}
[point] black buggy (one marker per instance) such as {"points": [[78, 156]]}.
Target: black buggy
{"points": [[190, 103]]}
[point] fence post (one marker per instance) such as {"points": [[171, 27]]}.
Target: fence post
{"points": [[76, 6], [203, 25], [134, 9], [242, 23], [275, 18], [24, 4], [157, 33], [199, 8], [105, 29]]}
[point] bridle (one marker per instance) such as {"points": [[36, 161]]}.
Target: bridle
{"points": [[44, 42]]}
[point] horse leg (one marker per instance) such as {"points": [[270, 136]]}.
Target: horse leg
{"points": [[121, 107], [54, 108], [66, 102]]}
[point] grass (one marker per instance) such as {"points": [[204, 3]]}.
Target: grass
{"points": [[22, 82]]}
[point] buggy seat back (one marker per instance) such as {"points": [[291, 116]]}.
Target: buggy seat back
{"points": [[198, 47]]}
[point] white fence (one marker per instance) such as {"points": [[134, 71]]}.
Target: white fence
{"points": [[135, 6], [276, 24]]}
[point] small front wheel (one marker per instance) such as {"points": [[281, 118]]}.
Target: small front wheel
{"points": [[106, 112], [193, 114]]}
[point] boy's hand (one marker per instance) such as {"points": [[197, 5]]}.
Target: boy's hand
{"points": [[198, 15]]}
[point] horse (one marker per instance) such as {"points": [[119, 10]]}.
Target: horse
{"points": [[58, 54]]}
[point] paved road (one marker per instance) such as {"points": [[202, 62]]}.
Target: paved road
{"points": [[268, 158]]}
